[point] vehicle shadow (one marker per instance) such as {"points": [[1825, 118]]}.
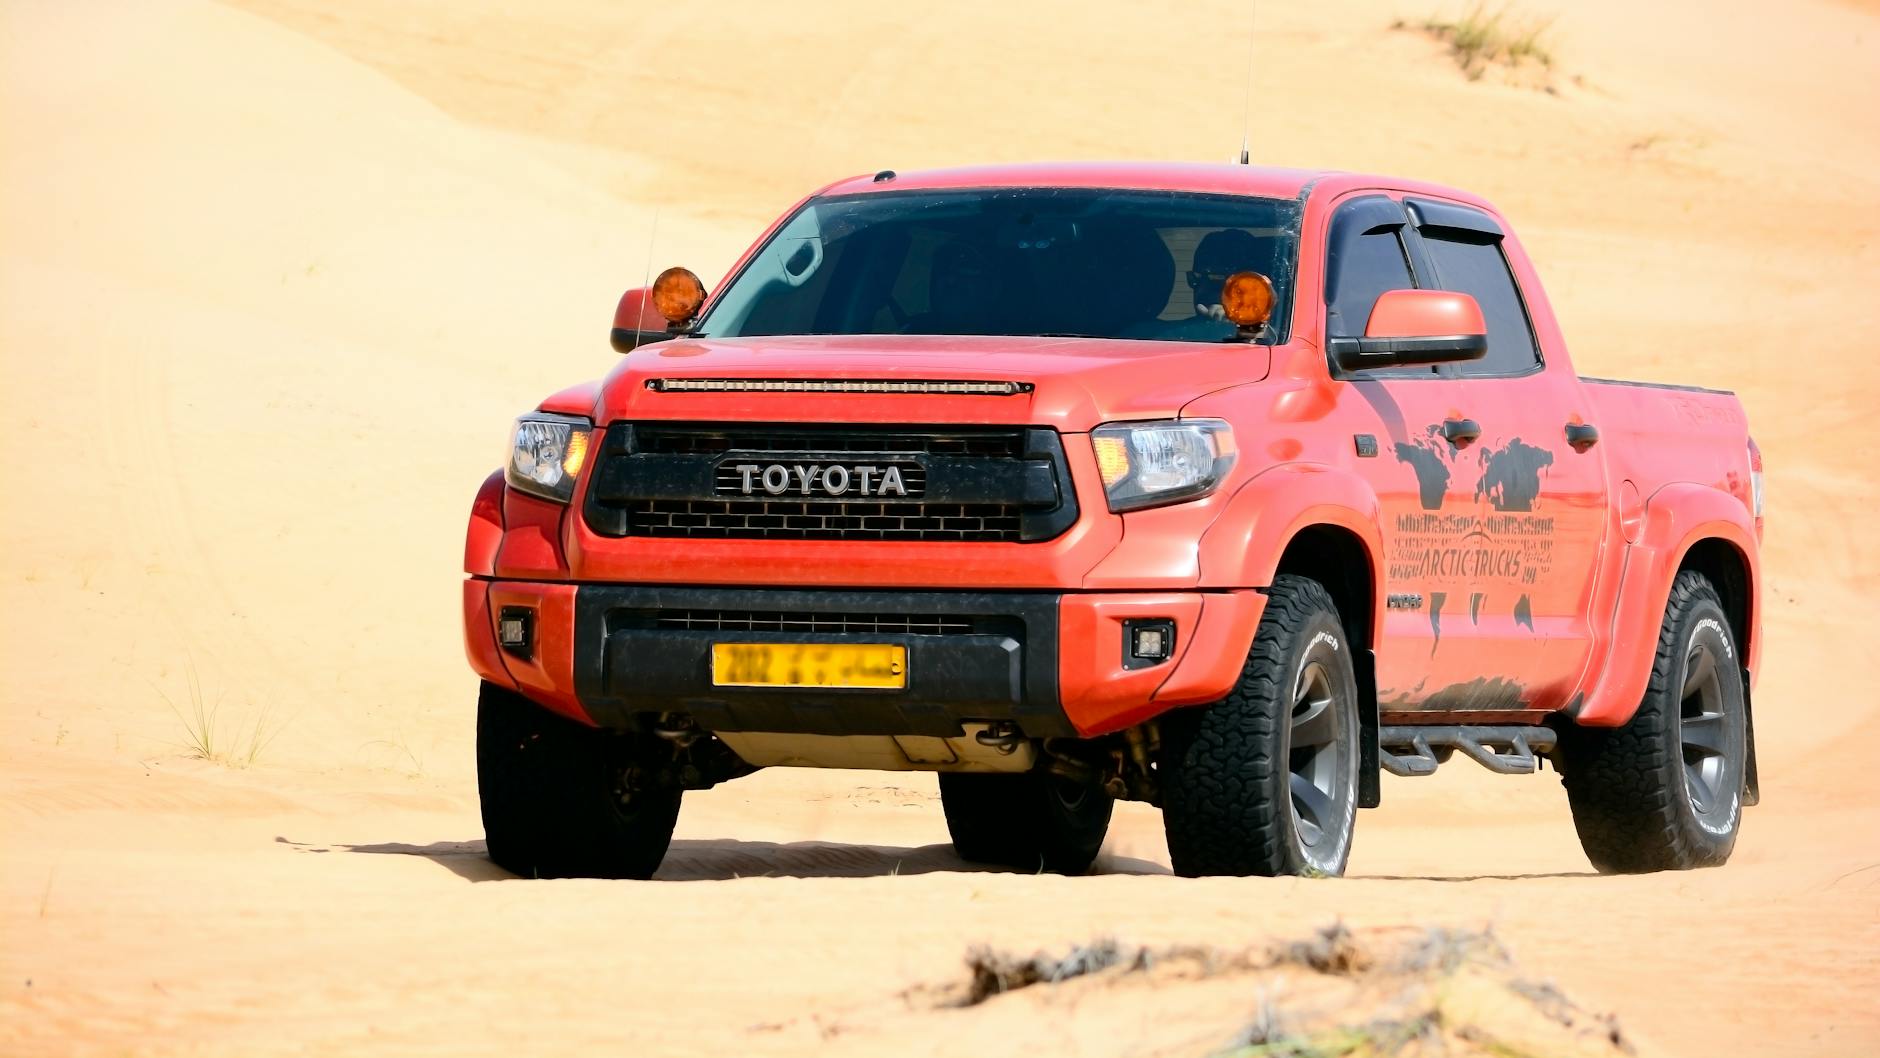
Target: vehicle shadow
{"points": [[468, 860], [724, 859]]}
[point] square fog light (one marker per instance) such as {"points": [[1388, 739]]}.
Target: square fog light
{"points": [[515, 630], [1148, 642]]}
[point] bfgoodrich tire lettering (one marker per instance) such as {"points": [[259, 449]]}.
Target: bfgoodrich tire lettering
{"points": [[562, 800], [1664, 792], [1265, 781]]}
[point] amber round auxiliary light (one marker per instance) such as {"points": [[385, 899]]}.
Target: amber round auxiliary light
{"points": [[677, 295], [1247, 299]]}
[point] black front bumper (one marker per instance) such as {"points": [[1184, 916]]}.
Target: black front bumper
{"points": [[970, 657]]}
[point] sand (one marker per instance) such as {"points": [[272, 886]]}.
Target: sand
{"points": [[274, 277]]}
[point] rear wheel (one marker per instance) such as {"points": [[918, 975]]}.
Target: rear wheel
{"points": [[1032, 822], [1665, 792], [562, 800], [1265, 781]]}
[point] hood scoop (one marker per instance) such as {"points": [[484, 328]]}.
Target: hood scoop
{"points": [[837, 385]]}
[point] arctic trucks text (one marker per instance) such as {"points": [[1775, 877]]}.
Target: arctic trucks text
{"points": [[1217, 487]]}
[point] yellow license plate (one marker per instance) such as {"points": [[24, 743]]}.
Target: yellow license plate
{"points": [[808, 665]]}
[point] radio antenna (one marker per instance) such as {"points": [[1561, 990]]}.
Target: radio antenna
{"points": [[1246, 98], [651, 236]]}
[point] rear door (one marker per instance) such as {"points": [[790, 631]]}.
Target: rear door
{"points": [[1537, 493], [1411, 464]]}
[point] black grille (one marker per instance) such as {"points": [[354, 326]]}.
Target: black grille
{"points": [[962, 483], [823, 520], [830, 623]]}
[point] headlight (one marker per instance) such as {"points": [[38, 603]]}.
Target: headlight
{"points": [[1148, 464], [545, 455]]}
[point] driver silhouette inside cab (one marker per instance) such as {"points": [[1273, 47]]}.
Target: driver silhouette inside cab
{"points": [[1218, 255]]}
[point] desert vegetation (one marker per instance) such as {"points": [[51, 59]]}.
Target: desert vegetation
{"points": [[1333, 993], [211, 736], [1483, 37]]}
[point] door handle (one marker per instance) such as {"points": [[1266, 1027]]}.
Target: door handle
{"points": [[1582, 436], [1460, 432]]}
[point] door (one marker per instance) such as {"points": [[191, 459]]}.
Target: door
{"points": [[1427, 499], [1536, 486]]}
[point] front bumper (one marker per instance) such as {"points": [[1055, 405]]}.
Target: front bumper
{"points": [[1001, 663], [1051, 663]]}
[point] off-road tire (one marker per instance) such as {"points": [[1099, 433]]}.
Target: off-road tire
{"points": [[1640, 798], [1030, 822], [563, 800], [1229, 771]]}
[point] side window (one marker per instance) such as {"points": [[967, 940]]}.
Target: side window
{"points": [[1464, 247], [1364, 256], [1369, 264]]}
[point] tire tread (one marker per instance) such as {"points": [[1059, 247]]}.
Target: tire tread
{"points": [[1218, 812], [1625, 784], [543, 783]]}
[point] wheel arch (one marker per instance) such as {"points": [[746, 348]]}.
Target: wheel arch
{"points": [[1724, 564], [1321, 522], [1728, 568], [1686, 526], [1298, 513], [1337, 557]]}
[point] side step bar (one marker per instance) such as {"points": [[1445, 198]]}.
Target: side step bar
{"points": [[1408, 749]]}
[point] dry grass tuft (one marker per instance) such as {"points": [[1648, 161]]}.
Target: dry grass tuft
{"points": [[1409, 993], [995, 972], [205, 737], [1332, 950], [1481, 38]]}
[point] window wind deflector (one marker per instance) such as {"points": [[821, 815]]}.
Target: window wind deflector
{"points": [[1430, 214]]}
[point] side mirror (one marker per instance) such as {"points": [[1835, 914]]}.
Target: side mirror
{"points": [[656, 313], [635, 321], [1415, 327]]}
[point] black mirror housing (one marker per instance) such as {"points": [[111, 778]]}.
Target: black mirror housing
{"points": [[1358, 354]]}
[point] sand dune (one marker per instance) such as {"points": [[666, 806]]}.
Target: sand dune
{"points": [[275, 275]]}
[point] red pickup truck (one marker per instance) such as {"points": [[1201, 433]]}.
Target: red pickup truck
{"points": [[1218, 487]]}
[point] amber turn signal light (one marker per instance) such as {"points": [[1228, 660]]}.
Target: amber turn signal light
{"points": [[1247, 299], [677, 295], [1112, 458]]}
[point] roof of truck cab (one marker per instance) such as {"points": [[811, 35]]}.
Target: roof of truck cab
{"points": [[1203, 177]]}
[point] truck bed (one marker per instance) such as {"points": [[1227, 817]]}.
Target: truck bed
{"points": [[1654, 434]]}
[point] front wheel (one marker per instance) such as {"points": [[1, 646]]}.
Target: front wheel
{"points": [[1265, 781], [1033, 822], [1665, 792], [562, 800]]}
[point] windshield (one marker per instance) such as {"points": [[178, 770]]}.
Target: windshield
{"points": [[1012, 261]]}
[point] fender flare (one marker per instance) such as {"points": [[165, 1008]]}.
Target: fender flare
{"points": [[1677, 518], [485, 535], [1242, 548]]}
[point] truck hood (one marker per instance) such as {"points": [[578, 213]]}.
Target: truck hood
{"points": [[1071, 384]]}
